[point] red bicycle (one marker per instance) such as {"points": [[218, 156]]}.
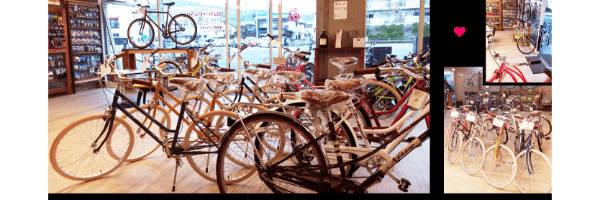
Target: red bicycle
{"points": [[302, 65], [503, 69]]}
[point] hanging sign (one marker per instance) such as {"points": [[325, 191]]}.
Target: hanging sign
{"points": [[340, 10], [294, 16]]}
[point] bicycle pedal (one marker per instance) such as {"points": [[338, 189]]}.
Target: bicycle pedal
{"points": [[403, 185], [547, 137]]}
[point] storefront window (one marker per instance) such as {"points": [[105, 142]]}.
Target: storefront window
{"points": [[393, 27]]}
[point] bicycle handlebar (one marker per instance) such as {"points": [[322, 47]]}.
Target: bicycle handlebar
{"points": [[227, 70], [244, 47], [367, 71], [272, 38], [183, 75], [120, 55], [204, 48], [305, 52], [264, 66], [380, 63]]}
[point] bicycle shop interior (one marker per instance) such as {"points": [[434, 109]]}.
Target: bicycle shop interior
{"points": [[85, 34], [519, 40], [463, 86]]}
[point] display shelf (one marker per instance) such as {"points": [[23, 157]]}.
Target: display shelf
{"points": [[85, 37], [59, 70], [325, 70], [509, 13], [493, 13]]}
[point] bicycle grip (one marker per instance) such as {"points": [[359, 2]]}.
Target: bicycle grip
{"points": [[272, 38], [264, 66], [299, 56], [227, 70], [120, 55], [204, 48], [244, 47], [379, 63], [305, 52], [535, 62], [366, 71], [183, 75], [154, 51], [140, 82]]}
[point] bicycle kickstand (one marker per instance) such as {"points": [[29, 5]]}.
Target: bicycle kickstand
{"points": [[178, 164], [403, 184]]}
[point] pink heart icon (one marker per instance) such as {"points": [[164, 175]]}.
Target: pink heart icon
{"points": [[459, 31]]}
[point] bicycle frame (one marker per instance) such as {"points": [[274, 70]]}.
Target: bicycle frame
{"points": [[155, 24]]}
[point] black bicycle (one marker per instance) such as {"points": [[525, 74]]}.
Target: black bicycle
{"points": [[181, 29], [78, 152]]}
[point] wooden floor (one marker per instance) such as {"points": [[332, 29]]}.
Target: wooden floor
{"points": [[154, 174], [505, 46], [456, 180]]}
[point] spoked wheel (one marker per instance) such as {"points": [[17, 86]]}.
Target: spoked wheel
{"points": [[449, 132], [144, 144], [469, 83], [182, 29], [524, 45], [544, 127], [72, 153], [472, 155], [383, 96], [244, 143], [453, 146], [499, 169], [534, 172], [140, 33]]}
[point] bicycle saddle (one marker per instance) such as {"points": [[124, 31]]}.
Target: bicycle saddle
{"points": [[218, 80], [535, 113], [345, 85], [192, 85], [514, 111], [518, 116], [343, 62], [169, 4], [324, 97], [257, 74], [290, 77]]}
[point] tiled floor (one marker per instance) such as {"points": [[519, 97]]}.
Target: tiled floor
{"points": [[456, 180]]}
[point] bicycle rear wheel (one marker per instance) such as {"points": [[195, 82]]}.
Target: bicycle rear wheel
{"points": [[472, 155], [246, 145], [309, 70], [140, 33], [182, 29], [537, 178], [383, 96], [524, 45], [499, 171], [72, 156]]}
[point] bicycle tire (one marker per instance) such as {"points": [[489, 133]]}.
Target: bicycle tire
{"points": [[542, 167], [144, 24], [227, 171], [509, 86], [490, 168], [55, 153], [539, 140], [468, 83], [475, 149], [144, 145], [449, 132], [526, 12], [549, 129], [309, 71], [525, 49], [181, 18], [531, 87], [453, 146], [389, 91]]}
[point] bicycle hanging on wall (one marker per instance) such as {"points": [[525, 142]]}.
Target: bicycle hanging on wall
{"points": [[141, 32]]}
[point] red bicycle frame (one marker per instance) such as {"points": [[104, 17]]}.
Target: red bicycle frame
{"points": [[499, 74], [289, 67]]}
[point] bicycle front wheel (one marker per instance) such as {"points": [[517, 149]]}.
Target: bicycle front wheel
{"points": [[524, 45], [72, 153], [453, 146], [499, 169], [140, 33], [182, 29], [469, 83], [472, 155], [537, 177], [244, 142]]}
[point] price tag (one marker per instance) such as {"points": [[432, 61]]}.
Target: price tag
{"points": [[527, 125], [194, 62], [498, 122], [530, 109], [275, 43], [104, 70], [454, 114], [417, 99], [470, 118], [144, 66]]}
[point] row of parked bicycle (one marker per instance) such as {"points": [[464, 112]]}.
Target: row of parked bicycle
{"points": [[471, 132], [258, 137], [485, 100]]}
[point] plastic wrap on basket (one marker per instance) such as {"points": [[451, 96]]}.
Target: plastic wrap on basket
{"points": [[343, 62], [346, 85], [218, 80], [257, 75], [331, 99], [192, 85], [290, 77]]}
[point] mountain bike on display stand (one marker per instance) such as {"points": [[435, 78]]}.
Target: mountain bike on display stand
{"points": [[181, 28]]}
